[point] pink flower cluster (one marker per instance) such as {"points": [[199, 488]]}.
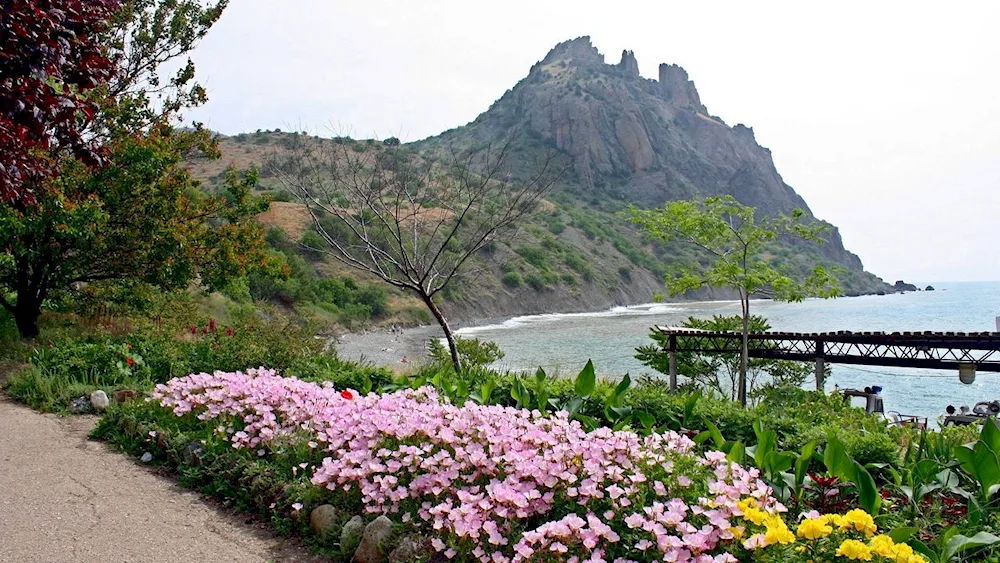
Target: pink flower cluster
{"points": [[505, 485]]}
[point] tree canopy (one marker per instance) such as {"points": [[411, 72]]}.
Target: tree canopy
{"points": [[51, 62], [734, 242], [139, 218]]}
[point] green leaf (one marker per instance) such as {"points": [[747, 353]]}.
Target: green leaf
{"points": [[766, 443], [836, 459], [645, 419], [617, 399], [991, 435], [541, 400], [902, 534], [540, 378], [716, 435], [987, 466], [779, 462], [959, 543], [735, 452], [802, 463], [689, 406], [868, 495], [573, 405], [586, 381], [486, 391]]}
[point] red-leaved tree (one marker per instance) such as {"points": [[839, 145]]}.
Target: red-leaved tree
{"points": [[50, 61]]}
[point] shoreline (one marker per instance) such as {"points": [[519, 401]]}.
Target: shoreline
{"points": [[403, 349]]}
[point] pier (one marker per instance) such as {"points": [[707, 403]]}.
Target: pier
{"points": [[959, 351]]}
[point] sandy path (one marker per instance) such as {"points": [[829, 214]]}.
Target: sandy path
{"points": [[66, 499], [386, 349]]}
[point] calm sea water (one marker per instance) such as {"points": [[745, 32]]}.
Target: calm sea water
{"points": [[563, 343]]}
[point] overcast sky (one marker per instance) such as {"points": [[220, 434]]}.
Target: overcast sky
{"points": [[884, 116]]}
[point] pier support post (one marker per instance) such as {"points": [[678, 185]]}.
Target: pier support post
{"points": [[672, 354], [820, 366]]}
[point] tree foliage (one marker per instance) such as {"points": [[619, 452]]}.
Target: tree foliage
{"points": [[51, 62], [734, 244], [719, 373], [139, 218]]}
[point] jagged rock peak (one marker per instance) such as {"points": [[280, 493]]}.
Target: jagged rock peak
{"points": [[629, 64], [579, 51], [676, 86]]}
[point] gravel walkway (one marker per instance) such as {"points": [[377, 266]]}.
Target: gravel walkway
{"points": [[66, 499]]}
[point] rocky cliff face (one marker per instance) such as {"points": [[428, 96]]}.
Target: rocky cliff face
{"points": [[636, 139]]}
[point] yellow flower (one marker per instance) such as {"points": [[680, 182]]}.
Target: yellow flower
{"points": [[777, 531], [755, 515], [903, 553], [833, 519], [814, 528], [884, 546], [853, 549], [859, 520]]}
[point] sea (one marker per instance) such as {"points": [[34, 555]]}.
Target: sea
{"points": [[562, 343]]}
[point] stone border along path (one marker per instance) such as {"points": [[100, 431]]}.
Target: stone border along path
{"points": [[66, 499]]}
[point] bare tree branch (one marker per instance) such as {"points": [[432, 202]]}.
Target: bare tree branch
{"points": [[413, 220]]}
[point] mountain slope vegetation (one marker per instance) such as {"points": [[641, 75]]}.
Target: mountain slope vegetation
{"points": [[620, 140]]}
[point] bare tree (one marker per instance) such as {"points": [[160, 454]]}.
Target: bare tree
{"points": [[412, 220]]}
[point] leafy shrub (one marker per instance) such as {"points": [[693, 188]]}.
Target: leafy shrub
{"points": [[472, 352], [535, 281], [533, 255], [512, 280]]}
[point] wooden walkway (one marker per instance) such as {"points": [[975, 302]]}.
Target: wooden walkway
{"points": [[960, 351]]}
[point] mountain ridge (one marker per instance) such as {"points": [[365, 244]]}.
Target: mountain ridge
{"points": [[624, 139]]}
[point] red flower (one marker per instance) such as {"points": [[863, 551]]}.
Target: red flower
{"points": [[129, 346], [204, 331], [211, 325], [194, 330], [346, 394], [229, 332], [130, 361]]}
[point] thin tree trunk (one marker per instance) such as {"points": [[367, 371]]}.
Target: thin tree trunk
{"points": [[744, 351], [448, 334], [26, 314]]}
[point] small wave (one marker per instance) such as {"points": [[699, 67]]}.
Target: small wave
{"points": [[645, 309]]}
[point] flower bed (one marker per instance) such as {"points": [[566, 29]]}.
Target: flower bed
{"points": [[499, 484]]}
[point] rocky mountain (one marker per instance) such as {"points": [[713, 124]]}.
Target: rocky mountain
{"points": [[637, 139], [622, 139]]}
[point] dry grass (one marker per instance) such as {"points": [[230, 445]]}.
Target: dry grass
{"points": [[293, 218]]}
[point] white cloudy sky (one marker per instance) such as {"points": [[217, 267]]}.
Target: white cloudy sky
{"points": [[885, 116]]}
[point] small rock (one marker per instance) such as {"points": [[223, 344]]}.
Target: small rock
{"points": [[409, 549], [193, 452], [99, 400], [146, 457], [376, 533], [350, 536], [123, 396], [79, 405], [323, 519]]}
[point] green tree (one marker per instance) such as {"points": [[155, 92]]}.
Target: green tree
{"points": [[720, 372], [735, 242], [138, 219]]}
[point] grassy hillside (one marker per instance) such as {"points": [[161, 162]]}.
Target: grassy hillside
{"points": [[575, 253]]}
